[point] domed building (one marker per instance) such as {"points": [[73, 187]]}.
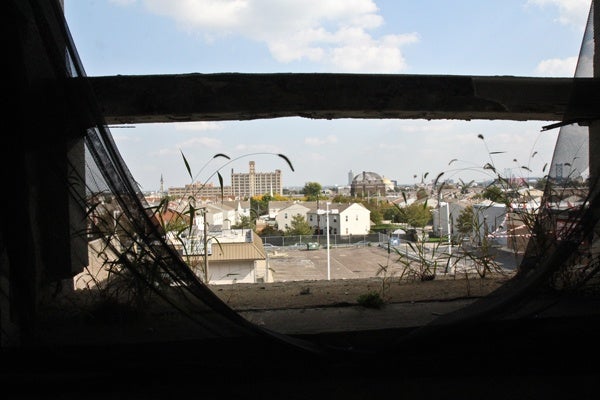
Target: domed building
{"points": [[389, 185], [368, 184]]}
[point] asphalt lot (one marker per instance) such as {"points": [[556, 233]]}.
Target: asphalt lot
{"points": [[290, 264], [353, 262]]}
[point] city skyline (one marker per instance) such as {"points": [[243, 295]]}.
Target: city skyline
{"points": [[516, 37]]}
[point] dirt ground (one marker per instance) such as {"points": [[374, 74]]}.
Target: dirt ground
{"points": [[302, 294]]}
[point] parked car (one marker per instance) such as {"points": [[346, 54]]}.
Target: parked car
{"points": [[313, 246], [270, 247]]}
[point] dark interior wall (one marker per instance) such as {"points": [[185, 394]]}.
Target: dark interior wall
{"points": [[36, 236]]}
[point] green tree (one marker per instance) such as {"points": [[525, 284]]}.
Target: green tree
{"points": [[417, 215], [245, 223], [376, 216], [391, 213], [465, 223], [259, 205], [312, 191], [495, 194], [299, 226], [464, 186], [422, 193], [540, 184], [339, 198]]}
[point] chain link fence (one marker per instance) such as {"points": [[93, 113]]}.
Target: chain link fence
{"points": [[303, 241]]}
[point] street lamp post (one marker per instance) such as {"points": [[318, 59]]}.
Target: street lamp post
{"points": [[328, 259], [327, 212], [449, 228]]}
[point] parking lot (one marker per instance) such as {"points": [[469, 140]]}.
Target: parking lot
{"points": [[354, 262], [351, 262]]}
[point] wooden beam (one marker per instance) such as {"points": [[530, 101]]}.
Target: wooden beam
{"points": [[236, 96]]}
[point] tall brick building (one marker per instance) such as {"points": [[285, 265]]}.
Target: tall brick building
{"points": [[256, 183]]}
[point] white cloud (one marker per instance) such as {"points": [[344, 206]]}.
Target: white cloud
{"points": [[557, 67], [421, 126], [187, 146], [258, 148], [571, 12], [334, 33], [316, 157], [199, 126], [200, 142], [315, 141], [165, 152]]}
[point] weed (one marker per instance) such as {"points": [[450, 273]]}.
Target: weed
{"points": [[305, 290], [370, 300]]}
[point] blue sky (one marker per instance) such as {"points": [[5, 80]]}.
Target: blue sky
{"points": [[460, 37]]}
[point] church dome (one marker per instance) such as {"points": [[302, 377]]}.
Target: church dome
{"points": [[366, 177]]}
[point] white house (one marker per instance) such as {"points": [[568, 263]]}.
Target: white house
{"points": [[491, 220], [241, 209], [217, 215], [276, 206], [344, 219], [286, 215]]}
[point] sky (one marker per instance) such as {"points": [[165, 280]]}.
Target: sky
{"points": [[537, 38]]}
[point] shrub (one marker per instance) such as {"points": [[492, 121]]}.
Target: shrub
{"points": [[370, 300]]}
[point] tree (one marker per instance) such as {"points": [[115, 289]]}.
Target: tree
{"points": [[339, 198], [464, 186], [422, 193], [376, 217], [391, 213], [540, 184], [245, 223], [312, 191], [260, 205], [495, 194], [417, 215], [465, 223], [299, 226], [270, 231]]}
